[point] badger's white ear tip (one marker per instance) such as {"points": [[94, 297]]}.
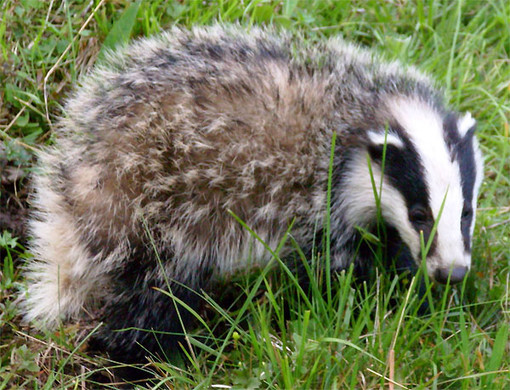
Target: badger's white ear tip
{"points": [[465, 123], [381, 138], [468, 118]]}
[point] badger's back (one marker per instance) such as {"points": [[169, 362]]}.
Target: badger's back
{"points": [[171, 133]]}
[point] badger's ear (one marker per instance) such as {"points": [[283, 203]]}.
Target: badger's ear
{"points": [[377, 140], [466, 125]]}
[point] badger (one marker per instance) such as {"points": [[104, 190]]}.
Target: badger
{"points": [[172, 136]]}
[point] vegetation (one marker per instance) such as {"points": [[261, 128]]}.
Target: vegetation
{"points": [[273, 335]]}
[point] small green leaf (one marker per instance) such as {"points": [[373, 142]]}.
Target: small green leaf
{"points": [[34, 134], [262, 13], [367, 236], [25, 359], [7, 240], [175, 10], [20, 11], [288, 7], [22, 121], [121, 30]]}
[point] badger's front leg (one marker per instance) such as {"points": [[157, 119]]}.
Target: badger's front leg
{"points": [[389, 252], [145, 316]]}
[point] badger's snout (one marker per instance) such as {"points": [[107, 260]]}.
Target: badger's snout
{"points": [[455, 274]]}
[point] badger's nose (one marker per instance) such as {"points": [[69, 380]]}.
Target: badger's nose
{"points": [[456, 274]]}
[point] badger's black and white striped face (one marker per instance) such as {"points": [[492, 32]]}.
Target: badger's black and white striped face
{"points": [[432, 173]]}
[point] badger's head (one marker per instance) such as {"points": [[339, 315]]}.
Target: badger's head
{"points": [[431, 176]]}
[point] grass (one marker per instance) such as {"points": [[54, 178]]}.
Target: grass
{"points": [[358, 336]]}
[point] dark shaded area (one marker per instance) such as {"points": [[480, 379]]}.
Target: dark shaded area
{"points": [[140, 319], [13, 197]]}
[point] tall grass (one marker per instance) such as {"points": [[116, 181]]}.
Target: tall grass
{"points": [[273, 334]]}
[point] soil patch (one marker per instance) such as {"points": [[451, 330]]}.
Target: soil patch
{"points": [[13, 197]]}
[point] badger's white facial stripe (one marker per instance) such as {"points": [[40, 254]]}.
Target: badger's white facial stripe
{"points": [[424, 128], [378, 138]]}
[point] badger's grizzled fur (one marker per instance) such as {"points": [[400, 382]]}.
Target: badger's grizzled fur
{"points": [[173, 131]]}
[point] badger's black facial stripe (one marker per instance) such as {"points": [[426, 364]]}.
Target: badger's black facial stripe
{"points": [[466, 159], [451, 133], [405, 171]]}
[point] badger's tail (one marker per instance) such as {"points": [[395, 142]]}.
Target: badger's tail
{"points": [[61, 277]]}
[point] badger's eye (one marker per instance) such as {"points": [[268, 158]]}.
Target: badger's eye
{"points": [[467, 212], [418, 215]]}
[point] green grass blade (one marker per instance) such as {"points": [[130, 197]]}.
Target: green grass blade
{"points": [[498, 351], [121, 29]]}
